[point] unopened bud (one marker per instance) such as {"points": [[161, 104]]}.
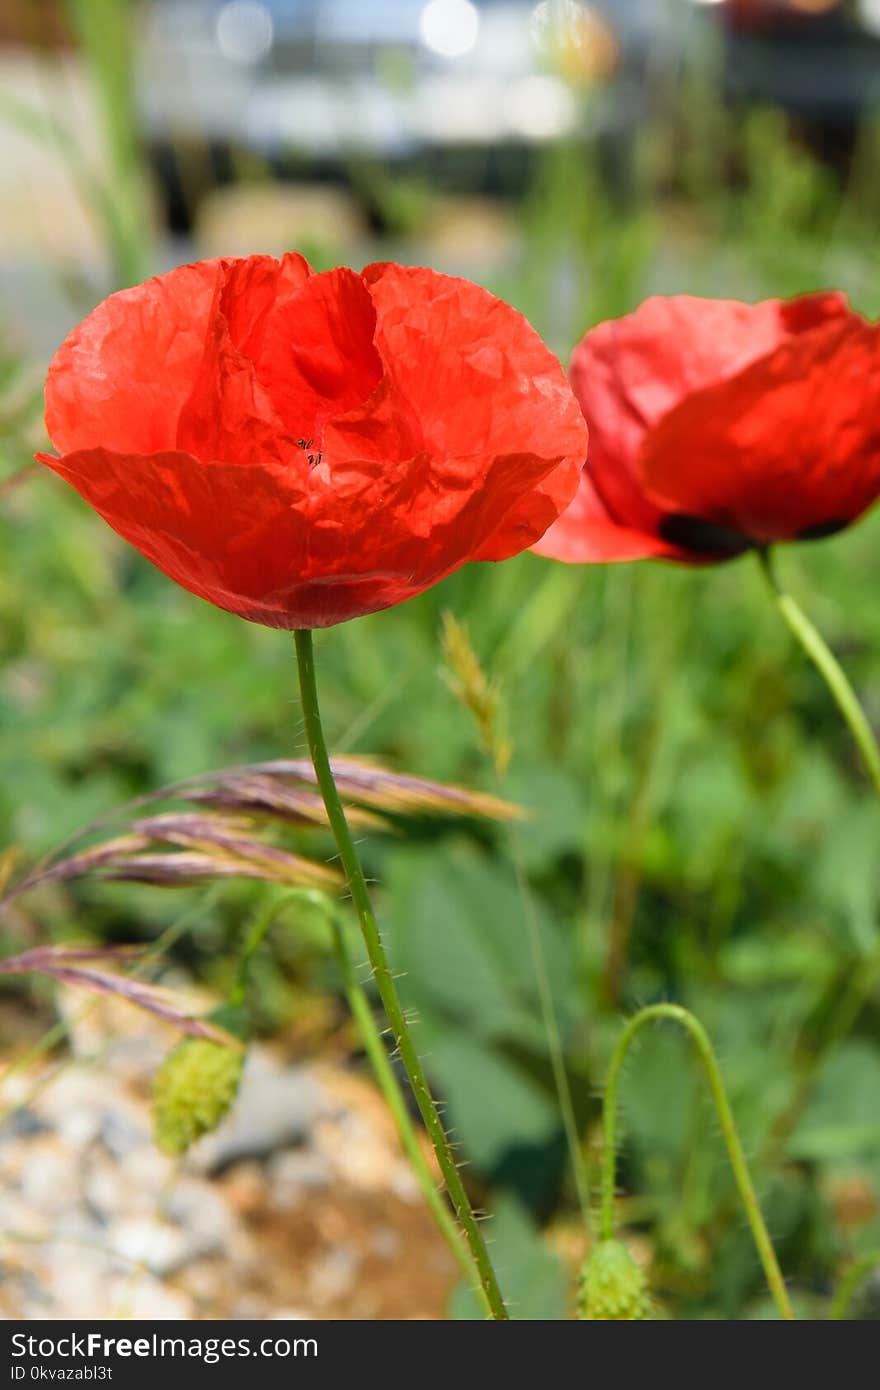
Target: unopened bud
{"points": [[612, 1286], [196, 1085]]}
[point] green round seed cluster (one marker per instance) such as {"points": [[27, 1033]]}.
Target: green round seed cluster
{"points": [[612, 1287], [194, 1088]]}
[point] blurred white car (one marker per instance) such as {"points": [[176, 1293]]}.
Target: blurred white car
{"points": [[320, 82]]}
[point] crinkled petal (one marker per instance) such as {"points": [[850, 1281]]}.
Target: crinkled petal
{"points": [[317, 359], [229, 414], [528, 519], [630, 372], [468, 449], [251, 541], [790, 447], [126, 375], [255, 288], [232, 534], [469, 368], [121, 379], [476, 398]]}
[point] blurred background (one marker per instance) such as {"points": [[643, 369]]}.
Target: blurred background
{"points": [[700, 828]]}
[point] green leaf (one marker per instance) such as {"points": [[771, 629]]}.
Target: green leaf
{"points": [[556, 805], [842, 1119], [494, 1106], [458, 935]]}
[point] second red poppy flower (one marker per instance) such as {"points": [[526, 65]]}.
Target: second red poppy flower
{"points": [[718, 426]]}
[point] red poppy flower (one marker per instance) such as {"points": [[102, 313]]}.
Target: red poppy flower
{"points": [[717, 426], [301, 449]]}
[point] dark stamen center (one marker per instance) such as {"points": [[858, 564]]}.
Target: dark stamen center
{"points": [[703, 537]]}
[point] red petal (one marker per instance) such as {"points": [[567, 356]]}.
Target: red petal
{"points": [[227, 532], [630, 372], [103, 387], [528, 520], [586, 534], [254, 289], [229, 415], [469, 367], [249, 540], [124, 378], [317, 358], [791, 445], [471, 384], [444, 431]]}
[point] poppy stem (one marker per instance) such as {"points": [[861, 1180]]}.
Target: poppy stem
{"points": [[861, 1267], [371, 1038], [828, 667], [483, 1273], [745, 1187]]}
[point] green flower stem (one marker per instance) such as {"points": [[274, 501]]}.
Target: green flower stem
{"points": [[829, 668], [732, 1141], [383, 977], [256, 935], [372, 1040], [850, 1282], [861, 984], [388, 1083]]}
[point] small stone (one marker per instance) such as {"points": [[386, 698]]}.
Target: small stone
{"points": [[386, 1243], [22, 1124], [148, 1301], [202, 1215], [49, 1178], [295, 1175], [106, 1190], [121, 1134], [156, 1245], [332, 1275], [245, 1187]]}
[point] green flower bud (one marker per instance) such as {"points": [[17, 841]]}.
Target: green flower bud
{"points": [[612, 1286], [196, 1085]]}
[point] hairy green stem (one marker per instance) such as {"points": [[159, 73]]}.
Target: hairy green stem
{"points": [[829, 668], [729, 1132], [371, 1038], [373, 1045], [375, 1049], [384, 979], [860, 985]]}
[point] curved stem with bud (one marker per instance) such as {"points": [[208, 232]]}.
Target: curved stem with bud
{"points": [[745, 1186]]}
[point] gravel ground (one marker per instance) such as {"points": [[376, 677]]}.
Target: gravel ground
{"points": [[300, 1206]]}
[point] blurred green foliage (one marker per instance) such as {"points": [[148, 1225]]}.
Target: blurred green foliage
{"points": [[700, 828]]}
